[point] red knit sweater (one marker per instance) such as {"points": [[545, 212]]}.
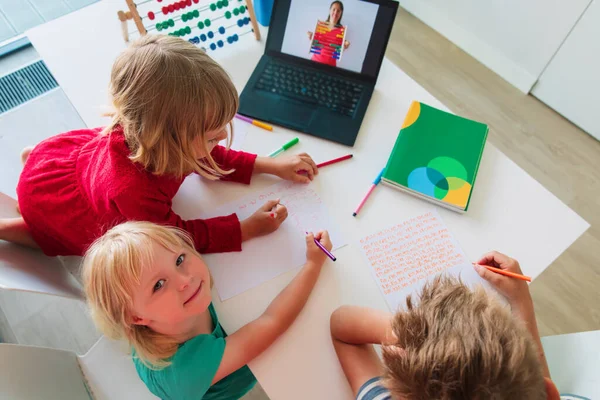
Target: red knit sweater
{"points": [[77, 185]]}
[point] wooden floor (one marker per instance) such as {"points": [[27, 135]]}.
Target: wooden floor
{"points": [[551, 149], [559, 155]]}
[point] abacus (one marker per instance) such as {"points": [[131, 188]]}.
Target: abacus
{"points": [[210, 25], [323, 43]]}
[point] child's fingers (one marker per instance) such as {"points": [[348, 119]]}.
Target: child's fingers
{"points": [[305, 167], [325, 240], [310, 239], [300, 178], [269, 205], [488, 275], [308, 159], [282, 213], [494, 259], [502, 261]]}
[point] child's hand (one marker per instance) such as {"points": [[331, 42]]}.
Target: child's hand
{"points": [[299, 168], [264, 221], [516, 291], [313, 253]]}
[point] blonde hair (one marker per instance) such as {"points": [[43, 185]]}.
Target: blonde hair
{"points": [[461, 344], [112, 267], [167, 95]]}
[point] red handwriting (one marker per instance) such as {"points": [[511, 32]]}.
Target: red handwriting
{"points": [[411, 251], [305, 208]]}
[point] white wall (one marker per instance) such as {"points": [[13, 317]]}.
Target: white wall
{"points": [[358, 16], [514, 38]]}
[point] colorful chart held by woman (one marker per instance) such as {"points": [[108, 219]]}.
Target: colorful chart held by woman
{"points": [[327, 45]]}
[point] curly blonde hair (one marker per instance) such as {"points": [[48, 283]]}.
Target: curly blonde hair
{"points": [[112, 267], [461, 344], [167, 94]]}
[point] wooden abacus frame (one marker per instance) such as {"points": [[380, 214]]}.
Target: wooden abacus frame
{"points": [[133, 14]]}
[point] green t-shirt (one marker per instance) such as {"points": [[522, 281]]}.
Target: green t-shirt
{"points": [[193, 368]]}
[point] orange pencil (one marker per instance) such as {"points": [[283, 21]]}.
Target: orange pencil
{"points": [[506, 273]]}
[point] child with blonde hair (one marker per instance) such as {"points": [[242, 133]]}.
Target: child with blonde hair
{"points": [[146, 283], [173, 105], [451, 343]]}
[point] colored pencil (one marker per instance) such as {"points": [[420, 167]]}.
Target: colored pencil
{"points": [[254, 122], [324, 249], [284, 147], [506, 273], [335, 160], [364, 200]]}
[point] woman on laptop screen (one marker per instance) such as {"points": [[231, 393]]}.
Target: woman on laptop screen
{"points": [[329, 40]]}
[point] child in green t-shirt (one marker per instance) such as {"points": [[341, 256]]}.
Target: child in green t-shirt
{"points": [[147, 284]]}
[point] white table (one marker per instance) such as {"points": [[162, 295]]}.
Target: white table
{"points": [[509, 210]]}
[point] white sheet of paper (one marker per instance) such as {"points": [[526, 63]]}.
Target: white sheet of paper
{"points": [[240, 131], [266, 257], [403, 257]]}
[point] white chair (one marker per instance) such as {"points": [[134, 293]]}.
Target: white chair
{"points": [[574, 362], [106, 372], [30, 270]]}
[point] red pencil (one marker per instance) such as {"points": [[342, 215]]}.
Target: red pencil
{"points": [[335, 160]]}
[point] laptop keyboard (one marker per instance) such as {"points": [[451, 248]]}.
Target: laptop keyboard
{"points": [[310, 87]]}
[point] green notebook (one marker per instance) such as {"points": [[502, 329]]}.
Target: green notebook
{"points": [[436, 156]]}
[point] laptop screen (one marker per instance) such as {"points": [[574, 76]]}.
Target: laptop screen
{"points": [[348, 34]]}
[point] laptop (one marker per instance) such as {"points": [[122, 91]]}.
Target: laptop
{"points": [[320, 66]]}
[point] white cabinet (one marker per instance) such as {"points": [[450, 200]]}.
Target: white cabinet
{"points": [[571, 82]]}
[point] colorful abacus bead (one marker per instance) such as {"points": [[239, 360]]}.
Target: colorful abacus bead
{"points": [[207, 22], [203, 37], [213, 7], [191, 15], [213, 46], [221, 30], [150, 15], [200, 25], [220, 43], [210, 34], [227, 14], [165, 25]]}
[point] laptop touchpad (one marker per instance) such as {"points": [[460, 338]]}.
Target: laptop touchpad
{"points": [[294, 114]]}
